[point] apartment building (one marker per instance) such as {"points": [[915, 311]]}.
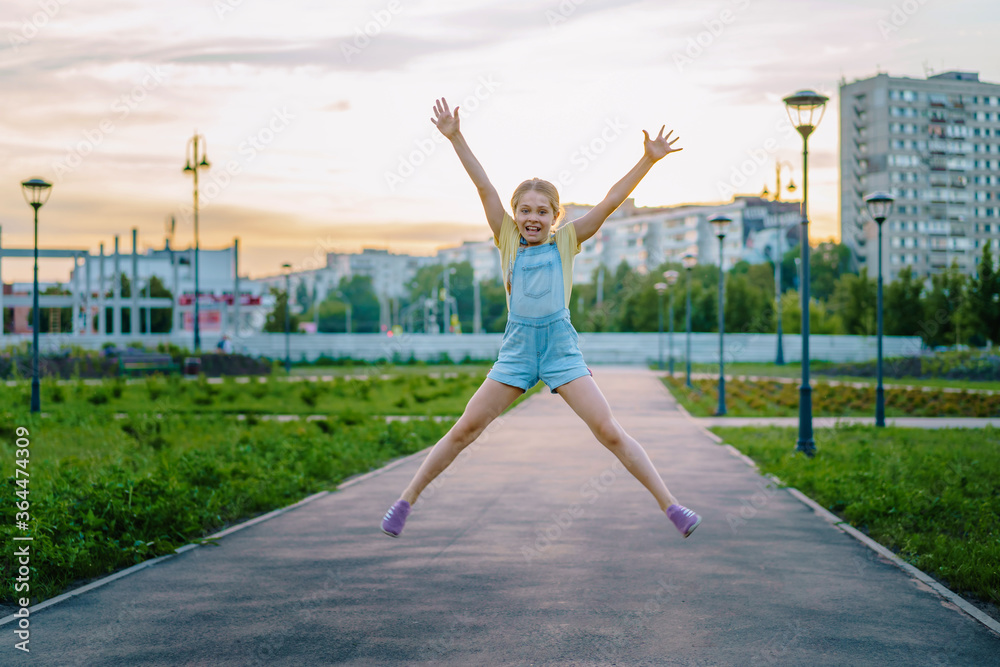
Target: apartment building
{"points": [[934, 144]]}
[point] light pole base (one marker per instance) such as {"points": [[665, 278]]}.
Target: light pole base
{"points": [[807, 447], [36, 399], [879, 407]]}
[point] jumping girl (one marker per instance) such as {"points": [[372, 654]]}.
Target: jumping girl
{"points": [[539, 341]]}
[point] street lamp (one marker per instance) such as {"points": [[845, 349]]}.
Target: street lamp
{"points": [[193, 164], [779, 232], [671, 277], [689, 262], [36, 192], [721, 224], [288, 337], [660, 289], [879, 205], [448, 272], [803, 108]]}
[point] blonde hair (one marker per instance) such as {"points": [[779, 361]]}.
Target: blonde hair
{"points": [[547, 189]]}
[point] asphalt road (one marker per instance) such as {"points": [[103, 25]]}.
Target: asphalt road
{"points": [[537, 550]]}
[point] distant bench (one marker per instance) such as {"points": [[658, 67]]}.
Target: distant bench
{"points": [[143, 362]]}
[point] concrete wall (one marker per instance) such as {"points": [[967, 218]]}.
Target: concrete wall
{"points": [[598, 348]]}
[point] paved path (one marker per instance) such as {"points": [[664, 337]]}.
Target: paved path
{"points": [[492, 569]]}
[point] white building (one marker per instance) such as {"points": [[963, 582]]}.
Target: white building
{"points": [[934, 144], [646, 237]]}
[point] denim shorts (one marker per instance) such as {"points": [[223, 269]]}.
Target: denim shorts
{"points": [[539, 348]]}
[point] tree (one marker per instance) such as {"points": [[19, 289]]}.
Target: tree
{"points": [[747, 306], [902, 304], [855, 299], [827, 263], [275, 322], [941, 323], [983, 300], [161, 319]]}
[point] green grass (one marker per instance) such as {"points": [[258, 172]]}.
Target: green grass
{"points": [[362, 369], [929, 495], [781, 399]]}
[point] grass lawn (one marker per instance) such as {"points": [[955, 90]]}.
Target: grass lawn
{"points": [[781, 399], [929, 495]]}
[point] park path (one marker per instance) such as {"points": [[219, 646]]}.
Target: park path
{"points": [[537, 550]]}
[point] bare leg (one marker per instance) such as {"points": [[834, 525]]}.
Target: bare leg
{"points": [[586, 399], [491, 399]]}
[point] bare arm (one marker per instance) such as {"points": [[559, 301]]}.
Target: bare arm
{"points": [[447, 122], [655, 149]]}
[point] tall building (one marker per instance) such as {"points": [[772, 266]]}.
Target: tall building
{"points": [[934, 144]]}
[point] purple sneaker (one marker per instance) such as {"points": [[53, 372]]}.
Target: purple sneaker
{"points": [[685, 520], [392, 522]]}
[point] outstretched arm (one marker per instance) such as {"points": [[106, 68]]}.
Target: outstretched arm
{"points": [[447, 122], [655, 149]]}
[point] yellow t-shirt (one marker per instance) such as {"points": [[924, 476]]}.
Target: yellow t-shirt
{"points": [[510, 238]]}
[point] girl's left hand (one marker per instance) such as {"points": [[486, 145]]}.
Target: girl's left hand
{"points": [[661, 146]]}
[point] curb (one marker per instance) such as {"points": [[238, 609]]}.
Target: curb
{"points": [[943, 592], [350, 481]]}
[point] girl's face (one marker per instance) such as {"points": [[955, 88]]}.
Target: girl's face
{"points": [[534, 217]]}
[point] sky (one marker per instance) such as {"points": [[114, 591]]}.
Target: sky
{"points": [[316, 114]]}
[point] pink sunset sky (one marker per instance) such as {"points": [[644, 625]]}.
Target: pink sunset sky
{"points": [[317, 114]]}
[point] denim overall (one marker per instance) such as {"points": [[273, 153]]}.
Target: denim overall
{"points": [[539, 341]]}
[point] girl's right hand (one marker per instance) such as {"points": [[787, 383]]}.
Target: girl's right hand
{"points": [[445, 120]]}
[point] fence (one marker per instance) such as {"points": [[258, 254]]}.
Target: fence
{"points": [[598, 348]]}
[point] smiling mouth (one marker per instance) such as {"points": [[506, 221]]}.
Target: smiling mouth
{"points": [[534, 229]]}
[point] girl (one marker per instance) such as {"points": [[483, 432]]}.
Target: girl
{"points": [[539, 341]]}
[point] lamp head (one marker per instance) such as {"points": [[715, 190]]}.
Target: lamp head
{"points": [[764, 193], [188, 167], [36, 192], [791, 185], [689, 261], [204, 162], [671, 277], [660, 287], [879, 204], [805, 110], [721, 224]]}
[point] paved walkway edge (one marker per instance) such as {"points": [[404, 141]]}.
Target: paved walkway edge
{"points": [[945, 593]]}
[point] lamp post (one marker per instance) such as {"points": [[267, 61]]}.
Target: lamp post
{"points": [[447, 273], [802, 107], [660, 289], [193, 164], [779, 359], [671, 278], [879, 205], [689, 262], [288, 336], [721, 224], [36, 192]]}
